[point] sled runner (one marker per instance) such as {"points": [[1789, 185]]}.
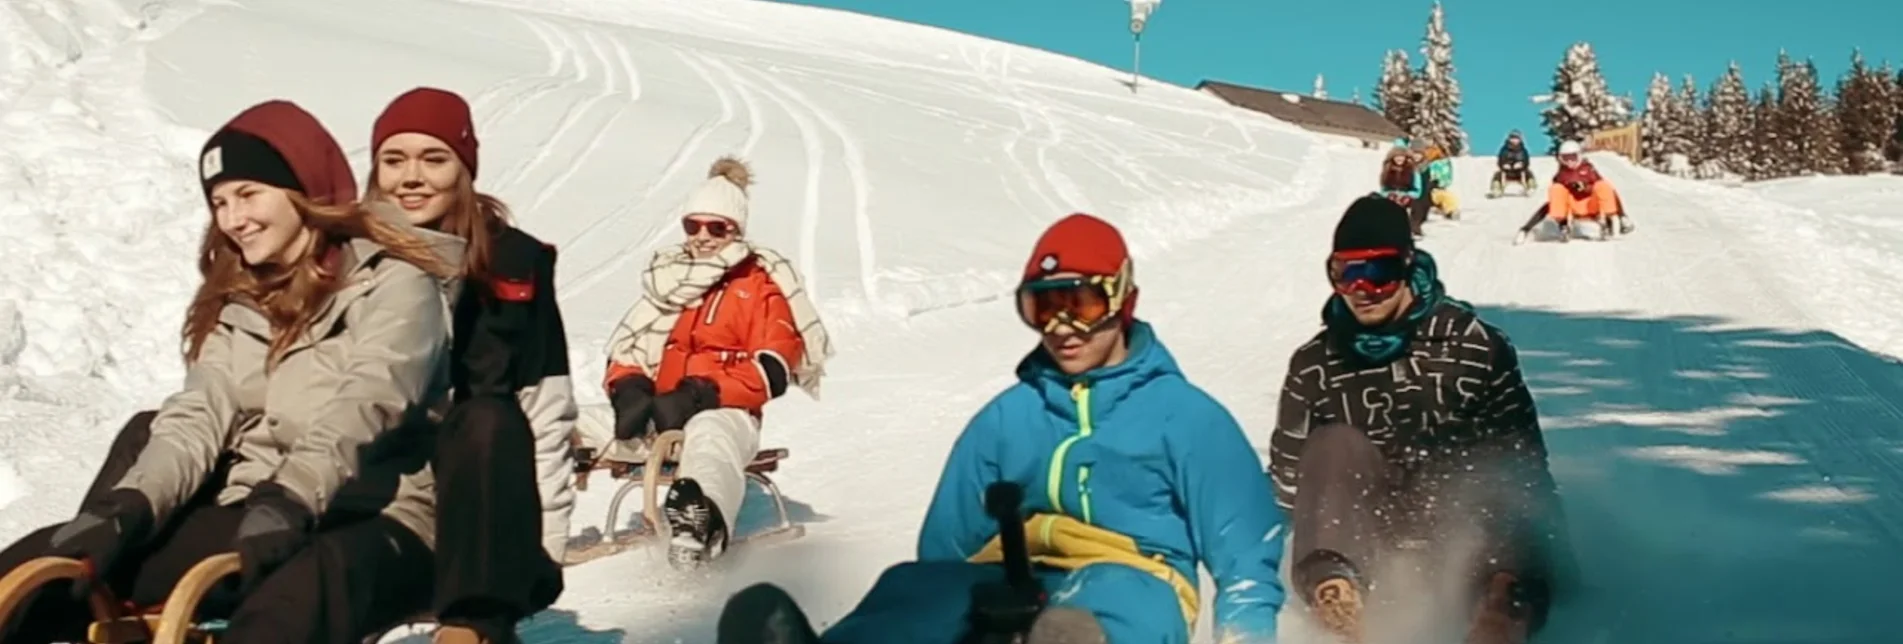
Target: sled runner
{"points": [[637, 473], [116, 622]]}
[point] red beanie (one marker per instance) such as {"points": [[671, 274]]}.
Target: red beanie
{"points": [[435, 112], [1079, 244], [1084, 245]]}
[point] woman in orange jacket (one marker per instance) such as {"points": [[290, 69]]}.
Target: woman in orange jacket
{"points": [[723, 326]]}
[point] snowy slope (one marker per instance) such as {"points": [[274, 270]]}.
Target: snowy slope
{"points": [[1724, 449]]}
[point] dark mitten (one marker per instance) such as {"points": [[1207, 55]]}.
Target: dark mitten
{"points": [[1578, 187], [694, 395], [102, 532], [274, 528], [633, 401], [775, 371]]}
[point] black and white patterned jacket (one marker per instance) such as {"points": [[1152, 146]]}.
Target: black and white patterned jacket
{"points": [[1455, 393]]}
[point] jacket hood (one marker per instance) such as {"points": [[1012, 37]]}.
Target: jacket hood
{"points": [[1148, 360], [305, 144]]}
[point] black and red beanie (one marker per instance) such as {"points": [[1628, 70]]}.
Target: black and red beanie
{"points": [[232, 155], [1374, 223]]}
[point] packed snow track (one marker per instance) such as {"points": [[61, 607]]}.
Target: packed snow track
{"points": [[1717, 387]]}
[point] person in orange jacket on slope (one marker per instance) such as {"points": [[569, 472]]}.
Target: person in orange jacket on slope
{"points": [[723, 326]]}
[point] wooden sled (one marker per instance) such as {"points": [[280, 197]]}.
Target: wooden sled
{"points": [[114, 622], [637, 474]]}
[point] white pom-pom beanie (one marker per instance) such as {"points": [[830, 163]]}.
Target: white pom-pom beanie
{"points": [[724, 194]]}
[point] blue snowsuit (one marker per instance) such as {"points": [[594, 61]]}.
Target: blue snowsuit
{"points": [[1132, 475]]}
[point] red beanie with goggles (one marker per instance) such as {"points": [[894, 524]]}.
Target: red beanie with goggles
{"points": [[1088, 246], [438, 113]]}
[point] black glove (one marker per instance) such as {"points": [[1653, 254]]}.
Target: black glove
{"points": [[633, 401], [274, 528], [101, 532], [1578, 187], [694, 395], [775, 372]]}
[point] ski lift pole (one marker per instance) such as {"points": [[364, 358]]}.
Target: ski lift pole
{"points": [[1136, 59]]}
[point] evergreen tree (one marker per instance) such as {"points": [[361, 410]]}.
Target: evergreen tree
{"points": [[1321, 88], [1439, 107], [1654, 140], [1767, 149], [1395, 94], [1688, 126], [1355, 97], [1896, 139], [1728, 124], [1580, 102], [1866, 115], [1806, 129]]}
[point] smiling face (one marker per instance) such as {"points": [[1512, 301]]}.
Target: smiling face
{"points": [[707, 235], [260, 220], [419, 173]]}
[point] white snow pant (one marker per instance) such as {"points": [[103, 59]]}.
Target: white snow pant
{"points": [[716, 448]]}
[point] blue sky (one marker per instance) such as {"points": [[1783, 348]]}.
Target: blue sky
{"points": [[1504, 51]]}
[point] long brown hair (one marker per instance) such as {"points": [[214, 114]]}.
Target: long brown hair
{"points": [[476, 217], [289, 296]]}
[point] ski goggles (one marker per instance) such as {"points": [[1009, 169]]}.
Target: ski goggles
{"points": [[1376, 272], [1083, 304], [715, 227]]}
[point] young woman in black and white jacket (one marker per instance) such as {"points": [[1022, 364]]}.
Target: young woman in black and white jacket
{"points": [[496, 507]]}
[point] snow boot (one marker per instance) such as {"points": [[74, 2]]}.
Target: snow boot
{"points": [[1625, 224], [699, 532], [763, 614], [1336, 604], [1066, 625], [1502, 616]]}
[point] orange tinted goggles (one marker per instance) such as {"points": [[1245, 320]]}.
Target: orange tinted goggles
{"points": [[1085, 304]]}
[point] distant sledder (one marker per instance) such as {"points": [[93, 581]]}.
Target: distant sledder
{"points": [[1136, 476], [1578, 192], [1402, 184], [723, 326], [1439, 169], [1513, 165]]}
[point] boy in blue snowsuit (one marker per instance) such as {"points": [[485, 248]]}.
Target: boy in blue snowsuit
{"points": [[1132, 477]]}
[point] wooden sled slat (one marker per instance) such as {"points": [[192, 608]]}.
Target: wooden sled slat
{"points": [[110, 625], [665, 447], [176, 619]]}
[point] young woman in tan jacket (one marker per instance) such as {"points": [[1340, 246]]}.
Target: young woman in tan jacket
{"points": [[315, 349]]}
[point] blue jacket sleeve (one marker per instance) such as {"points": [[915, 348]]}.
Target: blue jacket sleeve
{"points": [[1234, 522], [956, 525]]}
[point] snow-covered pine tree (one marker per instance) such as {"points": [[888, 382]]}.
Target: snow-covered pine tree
{"points": [[1654, 126], [1767, 150], [1808, 129], [1355, 97], [1866, 115], [1395, 93], [1580, 102], [1728, 122], [1321, 88], [1688, 123], [1896, 139], [1439, 106]]}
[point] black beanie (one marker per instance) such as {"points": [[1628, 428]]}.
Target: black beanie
{"points": [[233, 155], [1374, 223]]}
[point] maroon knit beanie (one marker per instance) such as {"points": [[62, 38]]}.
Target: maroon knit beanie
{"points": [[435, 112]]}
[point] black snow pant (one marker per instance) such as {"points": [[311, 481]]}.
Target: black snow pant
{"points": [[354, 578], [491, 568], [1352, 507], [1417, 211]]}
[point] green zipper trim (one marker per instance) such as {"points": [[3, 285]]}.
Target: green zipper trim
{"points": [[1053, 488]]}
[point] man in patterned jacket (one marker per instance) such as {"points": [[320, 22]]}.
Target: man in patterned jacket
{"points": [[1408, 399]]}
